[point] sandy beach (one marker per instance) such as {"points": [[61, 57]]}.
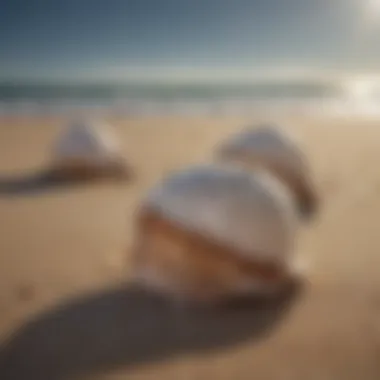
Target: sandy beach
{"points": [[64, 313]]}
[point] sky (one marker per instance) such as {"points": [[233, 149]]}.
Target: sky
{"points": [[123, 39]]}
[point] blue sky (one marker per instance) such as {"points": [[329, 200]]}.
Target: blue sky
{"points": [[118, 39]]}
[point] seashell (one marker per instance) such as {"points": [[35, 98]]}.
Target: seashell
{"points": [[271, 148], [87, 150], [212, 232]]}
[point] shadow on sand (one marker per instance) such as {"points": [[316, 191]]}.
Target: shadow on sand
{"points": [[41, 182], [126, 327], [32, 184]]}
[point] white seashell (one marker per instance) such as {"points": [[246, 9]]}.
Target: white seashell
{"points": [[273, 149], [200, 230], [88, 148]]}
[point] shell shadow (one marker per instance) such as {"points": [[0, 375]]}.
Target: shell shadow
{"points": [[308, 211], [126, 327], [45, 181], [33, 183]]}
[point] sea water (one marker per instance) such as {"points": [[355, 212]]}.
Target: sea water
{"points": [[192, 99]]}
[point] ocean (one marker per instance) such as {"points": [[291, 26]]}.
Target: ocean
{"points": [[142, 99]]}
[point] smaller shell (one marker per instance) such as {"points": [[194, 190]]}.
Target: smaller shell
{"points": [[86, 150], [273, 149], [211, 232]]}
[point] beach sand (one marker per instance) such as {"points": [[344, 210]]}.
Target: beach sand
{"points": [[64, 313]]}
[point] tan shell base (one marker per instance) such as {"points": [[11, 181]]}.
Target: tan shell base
{"points": [[78, 171], [189, 267]]}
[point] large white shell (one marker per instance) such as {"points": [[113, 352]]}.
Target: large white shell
{"points": [[252, 213], [86, 143]]}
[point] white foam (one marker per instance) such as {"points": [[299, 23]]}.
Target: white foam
{"points": [[264, 108]]}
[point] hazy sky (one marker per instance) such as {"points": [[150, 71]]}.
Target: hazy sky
{"points": [[114, 39]]}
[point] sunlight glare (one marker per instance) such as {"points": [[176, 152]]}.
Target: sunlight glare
{"points": [[372, 11], [374, 5], [361, 89]]}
